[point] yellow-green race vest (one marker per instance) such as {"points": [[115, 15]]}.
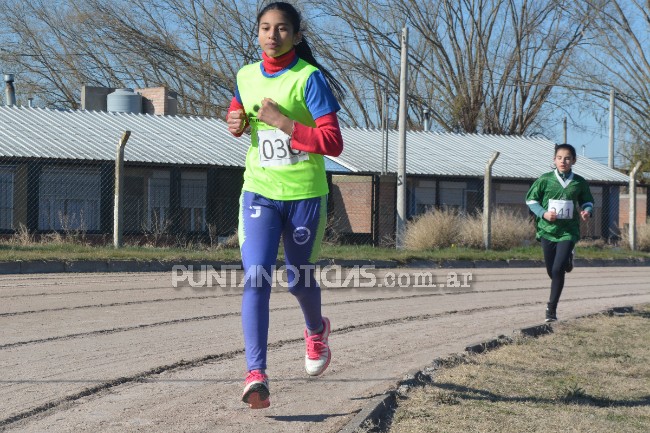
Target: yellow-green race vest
{"points": [[273, 169]]}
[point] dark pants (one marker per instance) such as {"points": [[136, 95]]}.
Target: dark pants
{"points": [[556, 257]]}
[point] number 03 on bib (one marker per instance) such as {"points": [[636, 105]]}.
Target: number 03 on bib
{"points": [[274, 148]]}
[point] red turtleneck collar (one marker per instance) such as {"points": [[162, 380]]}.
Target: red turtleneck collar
{"points": [[276, 64]]}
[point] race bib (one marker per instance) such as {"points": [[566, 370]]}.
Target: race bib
{"points": [[563, 208], [274, 148]]}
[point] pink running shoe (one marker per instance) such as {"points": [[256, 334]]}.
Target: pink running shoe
{"points": [[256, 391], [318, 352]]}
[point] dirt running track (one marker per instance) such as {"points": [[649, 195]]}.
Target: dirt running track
{"points": [[129, 353]]}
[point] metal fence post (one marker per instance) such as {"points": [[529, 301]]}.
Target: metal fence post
{"points": [[401, 150], [632, 216], [487, 205], [119, 189]]}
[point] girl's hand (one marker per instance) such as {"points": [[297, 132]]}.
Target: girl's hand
{"points": [[550, 215], [236, 121], [585, 215], [269, 113]]}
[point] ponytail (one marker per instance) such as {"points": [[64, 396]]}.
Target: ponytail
{"points": [[303, 50]]}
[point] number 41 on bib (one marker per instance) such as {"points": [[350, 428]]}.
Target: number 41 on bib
{"points": [[563, 208]]}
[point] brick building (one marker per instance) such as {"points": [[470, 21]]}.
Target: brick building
{"points": [[641, 207], [183, 174], [446, 170]]}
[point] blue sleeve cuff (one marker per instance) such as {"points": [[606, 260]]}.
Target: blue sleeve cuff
{"points": [[537, 209], [237, 96]]}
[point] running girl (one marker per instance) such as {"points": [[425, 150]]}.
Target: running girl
{"points": [[559, 199], [287, 102]]}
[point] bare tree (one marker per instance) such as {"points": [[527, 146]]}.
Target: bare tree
{"points": [[620, 60], [193, 47], [480, 65]]}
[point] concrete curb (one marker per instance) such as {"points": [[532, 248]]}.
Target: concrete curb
{"points": [[485, 346], [374, 411], [9, 268], [535, 331], [95, 266], [89, 266], [376, 414], [42, 267]]}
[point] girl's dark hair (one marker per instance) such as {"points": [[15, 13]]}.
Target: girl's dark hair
{"points": [[303, 50], [568, 147]]}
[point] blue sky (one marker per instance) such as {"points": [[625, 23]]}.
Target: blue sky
{"points": [[586, 131]]}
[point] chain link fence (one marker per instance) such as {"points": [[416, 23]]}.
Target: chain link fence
{"points": [[171, 205]]}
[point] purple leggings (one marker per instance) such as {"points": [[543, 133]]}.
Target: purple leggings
{"points": [[262, 221]]}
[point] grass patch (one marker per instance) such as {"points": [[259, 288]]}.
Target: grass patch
{"points": [[436, 236], [591, 375], [78, 251], [71, 251]]}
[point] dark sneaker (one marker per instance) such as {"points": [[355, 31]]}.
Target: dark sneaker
{"points": [[551, 313], [256, 390], [569, 265], [318, 355]]}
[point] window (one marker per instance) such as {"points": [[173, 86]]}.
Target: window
{"points": [[193, 197], [473, 201], [511, 196], [158, 202], [69, 199], [425, 196], [6, 198], [134, 204], [452, 195]]}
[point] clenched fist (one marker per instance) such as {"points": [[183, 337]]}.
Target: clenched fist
{"points": [[236, 121], [550, 215], [270, 114]]}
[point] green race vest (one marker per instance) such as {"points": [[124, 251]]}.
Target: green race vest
{"points": [[547, 190], [273, 169]]}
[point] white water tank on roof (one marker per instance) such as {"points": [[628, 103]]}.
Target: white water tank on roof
{"points": [[124, 101]]}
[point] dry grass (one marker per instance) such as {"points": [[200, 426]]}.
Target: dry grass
{"points": [[22, 236], [433, 230], [442, 229], [231, 241], [597, 244], [592, 375], [642, 237], [471, 232], [510, 230]]}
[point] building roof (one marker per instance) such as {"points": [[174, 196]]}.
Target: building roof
{"points": [[463, 155], [189, 140], [93, 135]]}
